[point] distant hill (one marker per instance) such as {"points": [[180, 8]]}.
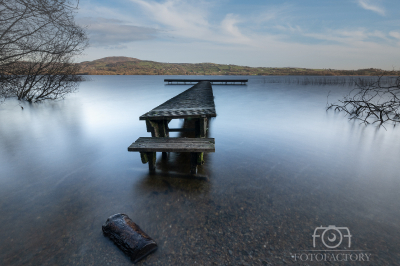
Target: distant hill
{"points": [[121, 65]]}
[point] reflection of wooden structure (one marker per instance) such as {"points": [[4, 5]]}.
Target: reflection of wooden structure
{"points": [[212, 81], [196, 103]]}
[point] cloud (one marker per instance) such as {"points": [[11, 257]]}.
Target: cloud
{"points": [[395, 34], [191, 20], [366, 4], [352, 38], [230, 28], [111, 33], [182, 17]]}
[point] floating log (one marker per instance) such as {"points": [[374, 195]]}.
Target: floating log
{"points": [[129, 237]]}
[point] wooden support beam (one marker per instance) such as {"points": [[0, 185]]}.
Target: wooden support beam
{"points": [[181, 129], [197, 128], [203, 127], [158, 128], [143, 156], [163, 128], [193, 163], [152, 126], [200, 159], [152, 161]]}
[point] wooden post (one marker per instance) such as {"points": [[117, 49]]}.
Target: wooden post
{"points": [[193, 163], [200, 126], [152, 126], [200, 160], [163, 132], [158, 128], [203, 127], [152, 161], [163, 128], [144, 158]]}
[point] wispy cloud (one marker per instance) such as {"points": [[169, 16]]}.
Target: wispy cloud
{"points": [[395, 34], [181, 17], [191, 20], [370, 5], [114, 33]]}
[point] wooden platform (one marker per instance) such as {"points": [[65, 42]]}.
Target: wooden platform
{"points": [[145, 144], [195, 102], [212, 81], [196, 146]]}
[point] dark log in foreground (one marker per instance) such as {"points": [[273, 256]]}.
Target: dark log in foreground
{"points": [[128, 237]]}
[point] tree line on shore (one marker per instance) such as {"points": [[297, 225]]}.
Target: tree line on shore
{"points": [[133, 66]]}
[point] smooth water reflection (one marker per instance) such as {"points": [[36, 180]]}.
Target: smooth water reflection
{"points": [[282, 167]]}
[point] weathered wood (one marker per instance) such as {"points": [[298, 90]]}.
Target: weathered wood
{"points": [[163, 128], [173, 145], [212, 81], [201, 127], [144, 157], [158, 128], [196, 102], [129, 237], [193, 163], [174, 140], [152, 160], [200, 160], [181, 129], [197, 128], [152, 127]]}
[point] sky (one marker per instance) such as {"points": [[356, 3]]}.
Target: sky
{"points": [[337, 34]]}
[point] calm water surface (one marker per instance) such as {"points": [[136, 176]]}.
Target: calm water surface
{"points": [[282, 167]]}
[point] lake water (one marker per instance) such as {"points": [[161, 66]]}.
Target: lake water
{"points": [[283, 166]]}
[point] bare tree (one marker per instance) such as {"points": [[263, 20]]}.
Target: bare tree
{"points": [[38, 41], [372, 102]]}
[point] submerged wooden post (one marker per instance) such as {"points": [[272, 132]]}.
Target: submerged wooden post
{"points": [[193, 163], [196, 158], [152, 161], [143, 156], [200, 159], [163, 132]]}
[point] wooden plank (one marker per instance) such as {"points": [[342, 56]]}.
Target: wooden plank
{"points": [[196, 102], [211, 80], [181, 129], [173, 145], [175, 140]]}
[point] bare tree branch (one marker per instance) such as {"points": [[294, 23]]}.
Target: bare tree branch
{"points": [[38, 41], [372, 102]]}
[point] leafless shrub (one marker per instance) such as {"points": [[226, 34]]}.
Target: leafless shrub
{"points": [[38, 41], [372, 102]]}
